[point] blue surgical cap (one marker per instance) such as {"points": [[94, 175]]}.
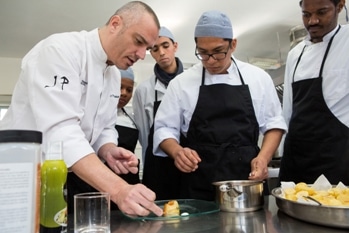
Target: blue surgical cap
{"points": [[127, 74], [214, 24], [166, 33]]}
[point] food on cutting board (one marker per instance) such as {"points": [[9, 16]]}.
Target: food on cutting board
{"points": [[331, 197], [171, 208]]}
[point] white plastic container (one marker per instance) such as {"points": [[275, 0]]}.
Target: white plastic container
{"points": [[20, 153]]}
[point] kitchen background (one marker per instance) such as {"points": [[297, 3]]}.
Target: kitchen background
{"points": [[265, 29]]}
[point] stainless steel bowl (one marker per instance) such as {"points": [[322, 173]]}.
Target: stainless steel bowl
{"points": [[239, 195], [331, 216]]}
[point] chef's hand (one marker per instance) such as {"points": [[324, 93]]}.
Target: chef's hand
{"points": [[122, 161], [259, 169], [136, 200], [131, 199], [186, 159]]}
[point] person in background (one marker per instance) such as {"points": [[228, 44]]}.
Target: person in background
{"points": [[125, 124], [316, 98], [67, 88], [221, 105], [159, 173]]}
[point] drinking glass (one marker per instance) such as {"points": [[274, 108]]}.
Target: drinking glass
{"points": [[92, 212]]}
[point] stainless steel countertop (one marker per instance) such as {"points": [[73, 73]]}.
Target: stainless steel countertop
{"points": [[269, 219]]}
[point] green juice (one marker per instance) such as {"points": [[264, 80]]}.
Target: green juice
{"points": [[53, 206]]}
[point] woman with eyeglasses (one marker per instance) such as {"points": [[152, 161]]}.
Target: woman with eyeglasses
{"points": [[221, 105]]}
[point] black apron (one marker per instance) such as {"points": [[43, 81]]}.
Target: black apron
{"points": [[127, 139], [224, 132], [160, 173], [317, 142]]}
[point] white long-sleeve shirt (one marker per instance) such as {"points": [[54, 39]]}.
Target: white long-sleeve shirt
{"points": [[335, 73], [66, 91], [143, 108], [125, 120], [177, 107]]}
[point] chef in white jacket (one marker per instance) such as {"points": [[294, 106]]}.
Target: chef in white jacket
{"points": [[221, 105], [69, 88], [316, 98]]}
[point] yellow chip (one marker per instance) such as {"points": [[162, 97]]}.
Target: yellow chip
{"points": [[291, 197], [343, 198], [335, 191], [322, 193], [302, 194], [304, 187], [300, 186], [289, 191]]}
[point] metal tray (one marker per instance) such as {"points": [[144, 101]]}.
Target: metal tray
{"points": [[322, 215]]}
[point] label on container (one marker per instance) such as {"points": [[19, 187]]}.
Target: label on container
{"points": [[17, 210], [61, 217]]}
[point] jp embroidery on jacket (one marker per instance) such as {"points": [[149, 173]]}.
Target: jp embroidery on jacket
{"points": [[84, 83], [64, 81]]}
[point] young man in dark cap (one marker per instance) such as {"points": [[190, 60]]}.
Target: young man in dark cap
{"points": [[159, 173], [221, 105]]}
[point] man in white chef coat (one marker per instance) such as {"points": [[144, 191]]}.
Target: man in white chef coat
{"points": [[69, 88], [221, 105], [149, 93], [316, 98]]}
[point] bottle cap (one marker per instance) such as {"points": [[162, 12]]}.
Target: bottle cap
{"points": [[20, 136], [55, 150]]}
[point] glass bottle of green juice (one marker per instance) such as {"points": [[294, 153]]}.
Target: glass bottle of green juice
{"points": [[53, 205]]}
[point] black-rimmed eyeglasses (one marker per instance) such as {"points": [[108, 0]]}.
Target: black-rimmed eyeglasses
{"points": [[215, 56]]}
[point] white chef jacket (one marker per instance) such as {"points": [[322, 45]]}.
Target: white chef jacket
{"points": [[180, 100], [79, 107], [335, 82], [125, 120], [143, 108]]}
